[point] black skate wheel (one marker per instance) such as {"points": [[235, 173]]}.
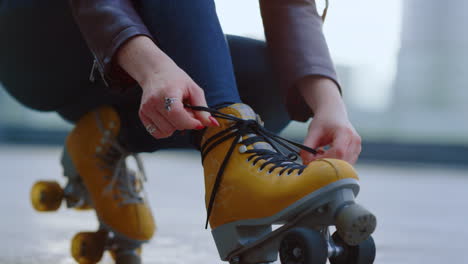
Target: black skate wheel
{"points": [[131, 258], [118, 252], [303, 246], [363, 253]]}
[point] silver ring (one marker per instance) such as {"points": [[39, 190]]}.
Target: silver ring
{"points": [[168, 102], [151, 129]]}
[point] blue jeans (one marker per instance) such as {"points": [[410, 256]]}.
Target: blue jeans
{"points": [[45, 64]]}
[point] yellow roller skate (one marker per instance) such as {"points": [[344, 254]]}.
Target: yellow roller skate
{"points": [[98, 177], [251, 185]]}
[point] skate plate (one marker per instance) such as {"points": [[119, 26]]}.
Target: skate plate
{"points": [[255, 241]]}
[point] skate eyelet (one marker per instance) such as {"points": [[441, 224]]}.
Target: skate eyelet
{"points": [[243, 149], [259, 169]]}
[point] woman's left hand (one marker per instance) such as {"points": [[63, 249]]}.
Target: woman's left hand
{"points": [[335, 131], [330, 127]]}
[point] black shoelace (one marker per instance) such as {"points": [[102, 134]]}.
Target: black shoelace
{"points": [[256, 134]]}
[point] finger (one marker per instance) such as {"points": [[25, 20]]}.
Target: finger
{"points": [[312, 140], [163, 111], [316, 157], [353, 148], [354, 157], [166, 128], [197, 97], [181, 118], [339, 147], [149, 111], [307, 157], [148, 122], [191, 114], [356, 150], [349, 155]]}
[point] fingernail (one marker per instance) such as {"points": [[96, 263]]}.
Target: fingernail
{"points": [[200, 127], [214, 121]]}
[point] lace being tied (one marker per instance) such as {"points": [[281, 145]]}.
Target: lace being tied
{"points": [[128, 182], [278, 151]]}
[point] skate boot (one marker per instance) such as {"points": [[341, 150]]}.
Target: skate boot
{"points": [[98, 177], [252, 184]]}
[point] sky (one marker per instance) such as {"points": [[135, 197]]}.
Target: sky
{"points": [[362, 34]]}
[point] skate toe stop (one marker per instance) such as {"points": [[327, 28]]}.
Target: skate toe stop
{"points": [[355, 224]]}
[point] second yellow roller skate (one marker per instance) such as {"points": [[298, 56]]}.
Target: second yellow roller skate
{"points": [[98, 177]]}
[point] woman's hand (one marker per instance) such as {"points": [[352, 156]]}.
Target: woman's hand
{"points": [[161, 78], [330, 126], [334, 130], [171, 82]]}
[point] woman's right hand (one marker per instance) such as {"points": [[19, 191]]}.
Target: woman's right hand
{"points": [[161, 78], [172, 82]]}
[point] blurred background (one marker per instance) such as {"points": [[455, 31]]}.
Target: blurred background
{"points": [[403, 66]]}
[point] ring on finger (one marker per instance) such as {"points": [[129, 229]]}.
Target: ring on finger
{"points": [[168, 101], [150, 128]]}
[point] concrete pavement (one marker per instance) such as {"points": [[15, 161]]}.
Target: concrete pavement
{"points": [[422, 211]]}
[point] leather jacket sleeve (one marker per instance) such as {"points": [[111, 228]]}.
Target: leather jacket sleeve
{"points": [[106, 25], [293, 30]]}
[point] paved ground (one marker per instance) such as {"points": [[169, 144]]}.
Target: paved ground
{"points": [[422, 211]]}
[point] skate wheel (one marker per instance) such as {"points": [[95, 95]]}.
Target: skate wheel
{"points": [[46, 196], [88, 247], [303, 246], [364, 253], [355, 224], [126, 256], [84, 207]]}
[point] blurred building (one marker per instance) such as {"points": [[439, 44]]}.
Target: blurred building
{"points": [[430, 100]]}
